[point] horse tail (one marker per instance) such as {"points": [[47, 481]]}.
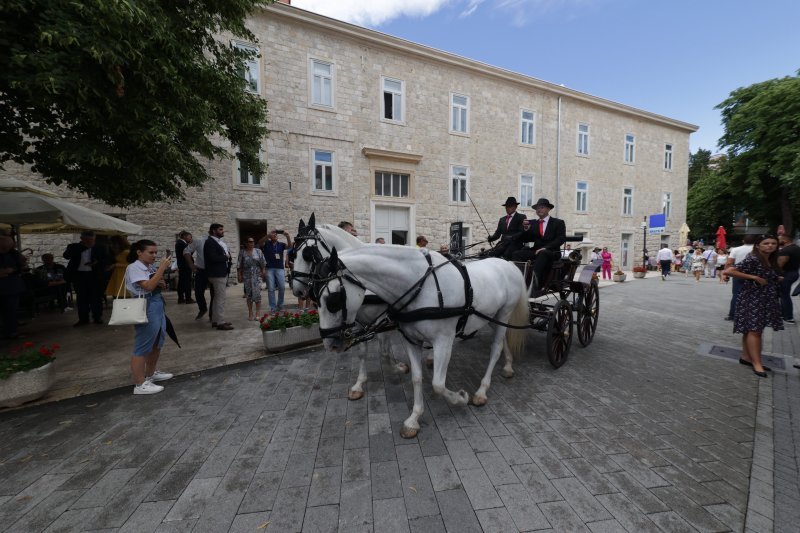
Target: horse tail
{"points": [[520, 316]]}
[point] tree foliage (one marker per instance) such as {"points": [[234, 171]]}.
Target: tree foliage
{"points": [[118, 98], [699, 165], [713, 200], [762, 139]]}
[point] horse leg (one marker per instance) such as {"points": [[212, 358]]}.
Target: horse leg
{"points": [[497, 344], [508, 370], [357, 391], [411, 424], [386, 348], [442, 349]]}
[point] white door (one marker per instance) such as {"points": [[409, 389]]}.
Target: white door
{"points": [[392, 223], [625, 251]]}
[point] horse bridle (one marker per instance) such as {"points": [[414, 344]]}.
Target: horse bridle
{"points": [[312, 256], [324, 273]]}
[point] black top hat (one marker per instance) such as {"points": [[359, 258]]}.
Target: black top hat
{"points": [[543, 202], [510, 201]]}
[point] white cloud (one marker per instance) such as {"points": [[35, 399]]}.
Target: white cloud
{"points": [[370, 12], [470, 9]]}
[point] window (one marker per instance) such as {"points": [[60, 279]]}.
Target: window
{"points": [[245, 177], [583, 139], [323, 171], [667, 157], [393, 96], [459, 114], [252, 70], [391, 184], [666, 204], [630, 148], [527, 122], [581, 194], [526, 189], [459, 184], [627, 201], [321, 83]]}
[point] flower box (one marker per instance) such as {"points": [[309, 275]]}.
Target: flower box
{"points": [[639, 275], [619, 278], [21, 387], [279, 341]]}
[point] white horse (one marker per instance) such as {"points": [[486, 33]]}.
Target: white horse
{"points": [[394, 273], [311, 237]]}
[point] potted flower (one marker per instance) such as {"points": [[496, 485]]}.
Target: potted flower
{"points": [[639, 272], [26, 373], [285, 329], [619, 276]]}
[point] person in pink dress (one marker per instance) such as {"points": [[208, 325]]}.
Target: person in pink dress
{"points": [[605, 255]]}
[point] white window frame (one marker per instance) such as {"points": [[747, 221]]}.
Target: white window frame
{"points": [[627, 201], [630, 149], [584, 194], [454, 177], [583, 148], [250, 177], [668, 151], [523, 186], [312, 77], [392, 196], [666, 204], [324, 164], [463, 114], [252, 71], [527, 128], [402, 97]]}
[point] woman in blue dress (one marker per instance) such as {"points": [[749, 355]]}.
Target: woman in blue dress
{"points": [[251, 269], [143, 279], [757, 306]]}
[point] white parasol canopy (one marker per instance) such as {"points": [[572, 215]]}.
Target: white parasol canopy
{"points": [[36, 210]]}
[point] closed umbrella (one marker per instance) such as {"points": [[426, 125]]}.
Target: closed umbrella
{"points": [[721, 238]]}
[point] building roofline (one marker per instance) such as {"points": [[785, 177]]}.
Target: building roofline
{"points": [[389, 41]]}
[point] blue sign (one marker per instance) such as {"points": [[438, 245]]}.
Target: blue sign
{"points": [[658, 224]]}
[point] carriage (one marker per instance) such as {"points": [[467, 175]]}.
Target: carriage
{"points": [[564, 303]]}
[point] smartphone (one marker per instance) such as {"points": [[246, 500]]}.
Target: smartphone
{"points": [[168, 253]]}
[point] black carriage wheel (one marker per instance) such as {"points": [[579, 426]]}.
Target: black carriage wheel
{"points": [[588, 312], [559, 333]]}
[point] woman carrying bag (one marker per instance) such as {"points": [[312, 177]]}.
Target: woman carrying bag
{"points": [[143, 279]]}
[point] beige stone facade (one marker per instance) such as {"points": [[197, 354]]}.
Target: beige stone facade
{"points": [[420, 145]]}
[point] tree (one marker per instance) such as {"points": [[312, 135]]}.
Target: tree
{"points": [[119, 98], [713, 200], [762, 138], [699, 165]]}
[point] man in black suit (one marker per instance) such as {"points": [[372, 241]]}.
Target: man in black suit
{"points": [[508, 227], [217, 261], [548, 234], [184, 269], [86, 270]]}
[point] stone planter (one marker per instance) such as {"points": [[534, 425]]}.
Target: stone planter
{"points": [[619, 278], [279, 341], [23, 387], [639, 275]]}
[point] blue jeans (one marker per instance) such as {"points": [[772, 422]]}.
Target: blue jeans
{"points": [[786, 297], [736, 287], [276, 280]]}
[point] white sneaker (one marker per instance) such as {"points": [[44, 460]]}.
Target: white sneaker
{"points": [[158, 375], [147, 388]]}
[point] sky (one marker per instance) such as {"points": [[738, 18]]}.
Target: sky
{"points": [[679, 58]]}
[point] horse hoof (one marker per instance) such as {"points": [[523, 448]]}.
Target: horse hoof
{"points": [[464, 397], [355, 395], [408, 433], [402, 368], [478, 401], [508, 374]]}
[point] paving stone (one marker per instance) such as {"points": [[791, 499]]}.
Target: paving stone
{"points": [[323, 519], [562, 517], [298, 470], [355, 464], [247, 523], [636, 493], [581, 500], [45, 512], [688, 486], [289, 509], [496, 467], [174, 482], [193, 500], [121, 506], [627, 514], [462, 455], [688, 510], [355, 506], [728, 515], [671, 521], [73, 520], [456, 511], [385, 478], [522, 508], [325, 483], [479, 489], [105, 488], [32, 495], [390, 515], [146, 517], [261, 493], [442, 473], [495, 520], [427, 524], [639, 471], [536, 483]]}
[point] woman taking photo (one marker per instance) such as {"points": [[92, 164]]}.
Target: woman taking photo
{"points": [[757, 305], [143, 279], [251, 269]]}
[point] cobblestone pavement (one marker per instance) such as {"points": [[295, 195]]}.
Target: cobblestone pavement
{"points": [[639, 432]]}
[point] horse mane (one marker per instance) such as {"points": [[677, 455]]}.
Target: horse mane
{"points": [[336, 236]]}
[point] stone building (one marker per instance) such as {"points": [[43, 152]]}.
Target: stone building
{"points": [[403, 139]]}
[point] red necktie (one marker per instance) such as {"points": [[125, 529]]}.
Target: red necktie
{"points": [[508, 221], [541, 227]]}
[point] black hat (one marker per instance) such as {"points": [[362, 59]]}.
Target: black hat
{"points": [[510, 201], [543, 202]]}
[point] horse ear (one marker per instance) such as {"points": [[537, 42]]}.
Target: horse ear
{"points": [[334, 256], [312, 221], [301, 226]]}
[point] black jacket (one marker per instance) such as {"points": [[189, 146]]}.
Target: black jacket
{"points": [[513, 230], [217, 261], [555, 234], [180, 246], [100, 259]]}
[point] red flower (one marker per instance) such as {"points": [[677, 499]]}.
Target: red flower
{"points": [[28, 345], [312, 312], [44, 351], [56, 347]]}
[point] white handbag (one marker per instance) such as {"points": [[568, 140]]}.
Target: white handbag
{"points": [[128, 311]]}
